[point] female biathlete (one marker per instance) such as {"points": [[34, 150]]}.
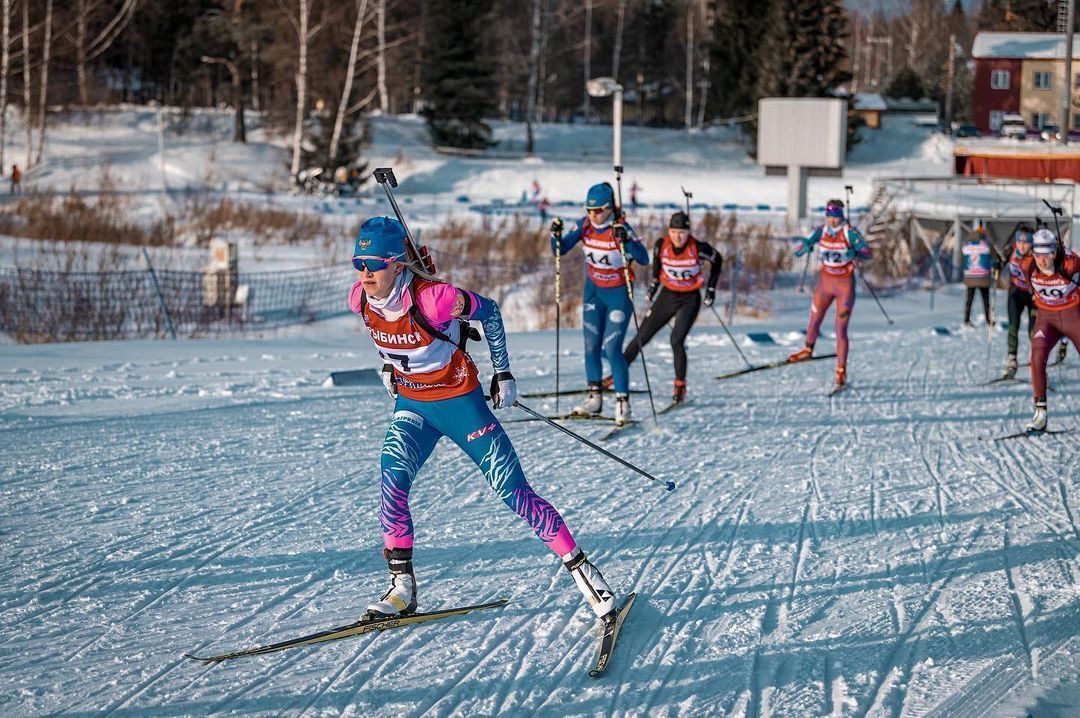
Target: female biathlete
{"points": [[677, 264], [606, 306], [420, 326], [840, 245], [1020, 299], [1054, 276]]}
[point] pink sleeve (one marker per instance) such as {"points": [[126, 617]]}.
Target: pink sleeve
{"points": [[438, 302], [355, 295]]}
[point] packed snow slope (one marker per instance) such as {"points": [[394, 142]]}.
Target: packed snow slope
{"points": [[862, 555]]}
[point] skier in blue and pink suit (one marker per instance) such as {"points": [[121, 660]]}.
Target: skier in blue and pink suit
{"points": [[420, 325], [606, 305]]}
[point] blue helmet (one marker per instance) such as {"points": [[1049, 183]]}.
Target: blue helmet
{"points": [[380, 237], [600, 195]]}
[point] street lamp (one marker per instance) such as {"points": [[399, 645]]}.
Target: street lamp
{"points": [[606, 87]]}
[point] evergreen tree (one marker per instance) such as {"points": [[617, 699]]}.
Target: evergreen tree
{"points": [[1018, 15], [738, 30], [906, 83], [803, 53], [459, 81]]}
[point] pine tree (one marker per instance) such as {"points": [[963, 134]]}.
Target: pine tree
{"points": [[459, 83], [1018, 15], [803, 52], [738, 30], [906, 83]]}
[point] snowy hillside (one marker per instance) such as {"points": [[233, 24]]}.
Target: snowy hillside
{"points": [[864, 555], [198, 155]]}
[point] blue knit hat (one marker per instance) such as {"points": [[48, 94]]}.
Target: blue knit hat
{"points": [[600, 195], [834, 208], [380, 237]]}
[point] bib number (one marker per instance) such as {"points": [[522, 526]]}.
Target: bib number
{"points": [[401, 361], [595, 258], [833, 256]]}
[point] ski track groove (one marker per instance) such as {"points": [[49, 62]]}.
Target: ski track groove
{"points": [[895, 662], [1016, 600]]}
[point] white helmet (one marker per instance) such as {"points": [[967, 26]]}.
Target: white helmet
{"points": [[1044, 242]]}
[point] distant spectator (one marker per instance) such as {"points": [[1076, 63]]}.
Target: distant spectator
{"points": [[634, 189], [543, 208], [16, 179], [977, 268]]}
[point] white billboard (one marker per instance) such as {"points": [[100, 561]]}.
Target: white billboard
{"points": [[802, 131]]}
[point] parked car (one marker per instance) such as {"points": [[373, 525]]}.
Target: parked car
{"points": [[1050, 133], [1012, 125], [967, 130]]}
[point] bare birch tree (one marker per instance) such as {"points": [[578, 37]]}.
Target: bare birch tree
{"points": [[621, 22], [5, 57], [350, 73], [534, 71], [588, 58], [384, 99], [46, 52], [28, 120], [688, 118], [87, 49]]}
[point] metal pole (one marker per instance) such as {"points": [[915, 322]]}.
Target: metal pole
{"points": [[1067, 95], [160, 296]]}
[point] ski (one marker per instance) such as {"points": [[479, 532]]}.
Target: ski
{"points": [[673, 405], [1026, 434], [837, 389], [566, 417], [773, 365], [619, 429], [1001, 380], [612, 626], [364, 625], [569, 392]]}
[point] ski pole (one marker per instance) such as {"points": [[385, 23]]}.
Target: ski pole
{"points": [[1055, 211], [669, 484], [873, 294], [993, 311], [630, 289], [558, 320], [805, 269], [730, 336], [847, 196]]}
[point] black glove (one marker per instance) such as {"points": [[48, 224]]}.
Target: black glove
{"points": [[710, 296], [653, 289], [995, 264], [556, 227], [619, 230], [503, 390]]}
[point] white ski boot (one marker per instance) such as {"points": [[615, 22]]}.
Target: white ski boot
{"points": [[590, 582], [1010, 367], [1038, 422], [622, 409], [591, 405], [400, 598]]}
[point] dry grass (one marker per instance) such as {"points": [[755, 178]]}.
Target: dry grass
{"points": [[497, 256]]}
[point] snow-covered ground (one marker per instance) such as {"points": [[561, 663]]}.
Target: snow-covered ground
{"points": [[866, 554], [198, 155]]}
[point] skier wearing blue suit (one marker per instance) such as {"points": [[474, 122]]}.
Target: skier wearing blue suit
{"points": [[606, 305]]}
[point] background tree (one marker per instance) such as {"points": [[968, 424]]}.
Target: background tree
{"points": [[459, 77], [905, 83]]}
